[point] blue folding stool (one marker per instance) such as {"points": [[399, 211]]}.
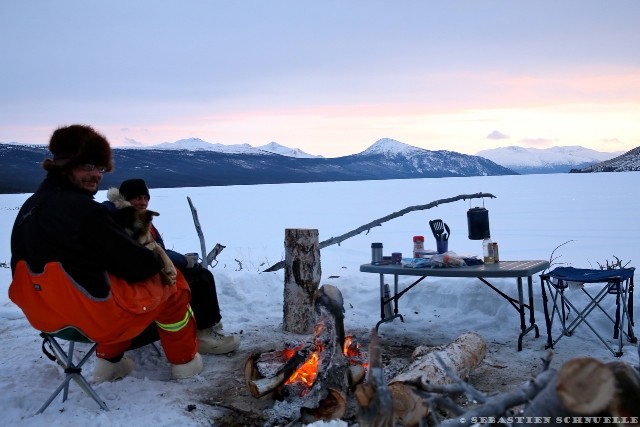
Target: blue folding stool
{"points": [[618, 282]]}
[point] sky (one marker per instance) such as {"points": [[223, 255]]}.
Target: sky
{"points": [[528, 225], [329, 77]]}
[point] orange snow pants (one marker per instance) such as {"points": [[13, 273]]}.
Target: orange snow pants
{"points": [[52, 301]]}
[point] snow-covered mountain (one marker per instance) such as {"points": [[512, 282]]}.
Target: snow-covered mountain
{"points": [[405, 158], [629, 161], [274, 147], [183, 164], [548, 160], [196, 144]]}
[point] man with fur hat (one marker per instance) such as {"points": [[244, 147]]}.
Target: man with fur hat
{"points": [[73, 266], [204, 298]]}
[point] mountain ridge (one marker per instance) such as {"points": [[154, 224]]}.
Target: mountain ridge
{"points": [[180, 166], [556, 159], [627, 162], [193, 162]]}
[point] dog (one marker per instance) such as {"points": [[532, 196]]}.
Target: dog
{"points": [[137, 223]]}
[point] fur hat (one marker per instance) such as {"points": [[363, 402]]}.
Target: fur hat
{"points": [[77, 144], [133, 188]]}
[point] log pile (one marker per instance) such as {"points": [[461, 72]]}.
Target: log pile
{"points": [[325, 396], [436, 377]]}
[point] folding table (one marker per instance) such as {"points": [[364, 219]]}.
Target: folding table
{"points": [[502, 269], [618, 282]]}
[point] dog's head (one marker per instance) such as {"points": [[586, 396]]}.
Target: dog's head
{"points": [[136, 222]]}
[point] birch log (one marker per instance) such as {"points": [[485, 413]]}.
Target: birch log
{"points": [[461, 356], [301, 279]]}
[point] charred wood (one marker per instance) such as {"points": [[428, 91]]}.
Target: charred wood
{"points": [[375, 405]]}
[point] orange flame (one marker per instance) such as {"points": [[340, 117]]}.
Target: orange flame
{"points": [[308, 371], [352, 352]]}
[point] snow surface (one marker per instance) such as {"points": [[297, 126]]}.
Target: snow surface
{"points": [[586, 218]]}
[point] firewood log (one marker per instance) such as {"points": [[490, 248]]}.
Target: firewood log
{"points": [[461, 356], [375, 406], [583, 386], [627, 396], [262, 386]]}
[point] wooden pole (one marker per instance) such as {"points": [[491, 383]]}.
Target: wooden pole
{"points": [[301, 279]]}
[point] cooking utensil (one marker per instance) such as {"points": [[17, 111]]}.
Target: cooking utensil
{"points": [[437, 227], [447, 232]]}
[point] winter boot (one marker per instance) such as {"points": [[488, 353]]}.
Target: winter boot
{"points": [[218, 326], [212, 342], [110, 371], [187, 370]]}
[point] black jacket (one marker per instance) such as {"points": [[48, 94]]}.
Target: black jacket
{"points": [[61, 222]]}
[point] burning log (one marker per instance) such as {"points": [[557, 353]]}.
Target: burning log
{"points": [[331, 384], [320, 372], [461, 356], [260, 387]]}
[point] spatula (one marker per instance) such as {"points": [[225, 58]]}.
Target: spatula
{"points": [[437, 227]]}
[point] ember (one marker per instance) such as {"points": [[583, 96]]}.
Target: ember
{"points": [[307, 372], [353, 353]]}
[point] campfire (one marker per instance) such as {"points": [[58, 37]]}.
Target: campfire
{"points": [[315, 376]]}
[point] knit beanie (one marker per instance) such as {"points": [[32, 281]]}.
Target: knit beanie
{"points": [[132, 188], [75, 145]]}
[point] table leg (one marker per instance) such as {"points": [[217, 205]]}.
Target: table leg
{"points": [[381, 296], [523, 325], [395, 298], [532, 316], [395, 293], [521, 307]]}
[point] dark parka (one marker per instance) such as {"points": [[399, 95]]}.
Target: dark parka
{"points": [[61, 222]]}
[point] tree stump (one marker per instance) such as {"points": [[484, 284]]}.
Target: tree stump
{"points": [[301, 279]]}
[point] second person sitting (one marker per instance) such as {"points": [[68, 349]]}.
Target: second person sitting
{"points": [[204, 298]]}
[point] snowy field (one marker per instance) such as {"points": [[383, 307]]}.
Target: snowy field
{"points": [[588, 219]]}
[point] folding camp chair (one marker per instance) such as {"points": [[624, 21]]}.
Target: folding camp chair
{"points": [[618, 282], [52, 348]]}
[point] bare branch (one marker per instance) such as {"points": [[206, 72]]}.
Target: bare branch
{"points": [[378, 222], [499, 404], [196, 222]]}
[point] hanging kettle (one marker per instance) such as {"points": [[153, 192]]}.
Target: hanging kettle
{"points": [[478, 223]]}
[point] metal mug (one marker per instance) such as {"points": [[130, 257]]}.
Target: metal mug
{"points": [[192, 259]]}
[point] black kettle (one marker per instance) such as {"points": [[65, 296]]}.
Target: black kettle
{"points": [[478, 223]]}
